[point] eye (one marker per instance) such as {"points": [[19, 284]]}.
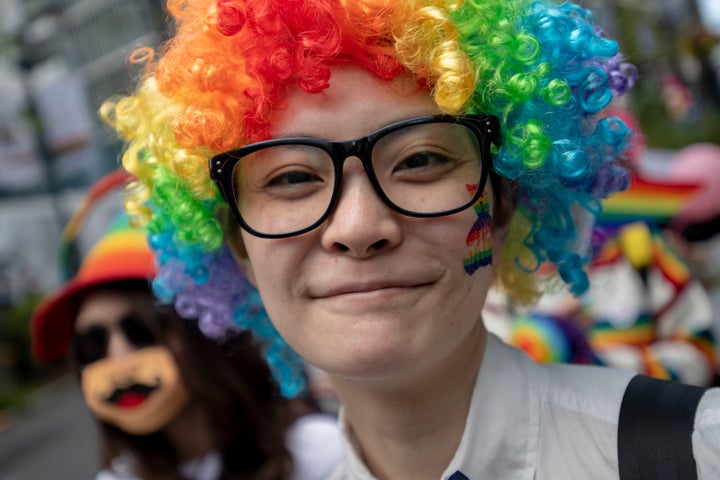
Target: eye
{"points": [[420, 153], [423, 166], [91, 344], [294, 185], [423, 160], [285, 172], [293, 178], [136, 331]]}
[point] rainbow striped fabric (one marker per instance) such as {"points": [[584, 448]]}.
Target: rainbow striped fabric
{"points": [[122, 252], [646, 200]]}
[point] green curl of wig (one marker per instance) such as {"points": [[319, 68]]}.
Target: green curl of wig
{"points": [[546, 70]]}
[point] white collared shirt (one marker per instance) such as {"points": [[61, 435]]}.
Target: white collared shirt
{"points": [[531, 421]]}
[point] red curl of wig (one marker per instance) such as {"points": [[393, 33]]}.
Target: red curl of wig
{"points": [[231, 17]]}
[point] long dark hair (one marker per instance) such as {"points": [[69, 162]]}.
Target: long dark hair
{"points": [[232, 384]]}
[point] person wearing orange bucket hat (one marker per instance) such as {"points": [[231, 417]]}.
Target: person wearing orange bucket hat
{"points": [[169, 401], [122, 254]]}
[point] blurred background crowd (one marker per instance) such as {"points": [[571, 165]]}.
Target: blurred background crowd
{"points": [[60, 58]]}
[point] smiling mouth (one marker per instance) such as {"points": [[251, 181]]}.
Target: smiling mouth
{"points": [[367, 291], [131, 396]]}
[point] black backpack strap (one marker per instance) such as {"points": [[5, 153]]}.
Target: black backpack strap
{"points": [[655, 429]]}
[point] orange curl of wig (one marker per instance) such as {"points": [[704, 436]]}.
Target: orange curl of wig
{"points": [[544, 69]]}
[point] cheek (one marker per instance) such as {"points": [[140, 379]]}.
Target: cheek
{"points": [[269, 266], [479, 238]]}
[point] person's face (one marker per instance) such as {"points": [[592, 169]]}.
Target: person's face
{"points": [[127, 378], [369, 293]]}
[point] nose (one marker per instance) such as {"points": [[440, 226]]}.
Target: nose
{"points": [[360, 224], [118, 346]]}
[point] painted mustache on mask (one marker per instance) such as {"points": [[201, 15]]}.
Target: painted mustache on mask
{"points": [[132, 395], [139, 393]]}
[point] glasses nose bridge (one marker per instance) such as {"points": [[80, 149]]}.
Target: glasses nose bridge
{"points": [[362, 149], [359, 148]]}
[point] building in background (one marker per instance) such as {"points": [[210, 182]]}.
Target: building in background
{"points": [[58, 60], [69, 56]]}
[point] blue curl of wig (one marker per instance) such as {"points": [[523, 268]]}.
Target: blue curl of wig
{"points": [[563, 167], [209, 287], [545, 70]]}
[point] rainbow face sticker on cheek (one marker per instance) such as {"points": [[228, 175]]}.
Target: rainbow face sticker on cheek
{"points": [[139, 393], [479, 239]]}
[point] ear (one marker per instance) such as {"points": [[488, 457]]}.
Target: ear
{"points": [[236, 245]]}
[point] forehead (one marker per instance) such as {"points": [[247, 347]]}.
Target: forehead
{"points": [[355, 104], [106, 307]]}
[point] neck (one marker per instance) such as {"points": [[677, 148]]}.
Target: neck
{"points": [[413, 430]]}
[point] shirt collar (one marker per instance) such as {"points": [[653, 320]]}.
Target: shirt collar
{"points": [[502, 429]]}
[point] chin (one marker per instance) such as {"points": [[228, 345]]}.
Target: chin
{"points": [[377, 362]]}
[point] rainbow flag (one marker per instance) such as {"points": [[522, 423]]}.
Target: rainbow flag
{"points": [[652, 201]]}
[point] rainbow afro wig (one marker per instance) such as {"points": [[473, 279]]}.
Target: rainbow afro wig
{"points": [[546, 70]]}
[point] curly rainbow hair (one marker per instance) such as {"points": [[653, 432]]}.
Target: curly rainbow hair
{"points": [[545, 70]]}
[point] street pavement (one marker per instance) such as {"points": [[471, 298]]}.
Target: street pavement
{"points": [[53, 438]]}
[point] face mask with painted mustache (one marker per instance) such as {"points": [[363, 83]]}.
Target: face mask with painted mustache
{"points": [[138, 393]]}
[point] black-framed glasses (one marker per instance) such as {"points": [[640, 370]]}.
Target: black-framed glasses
{"points": [[91, 343], [429, 166]]}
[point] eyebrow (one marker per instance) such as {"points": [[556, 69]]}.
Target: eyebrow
{"points": [[393, 120]]}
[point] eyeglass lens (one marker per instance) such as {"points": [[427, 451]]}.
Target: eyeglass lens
{"points": [[426, 168], [91, 344]]}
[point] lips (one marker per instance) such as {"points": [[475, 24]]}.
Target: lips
{"points": [[371, 278], [349, 288], [131, 396]]}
